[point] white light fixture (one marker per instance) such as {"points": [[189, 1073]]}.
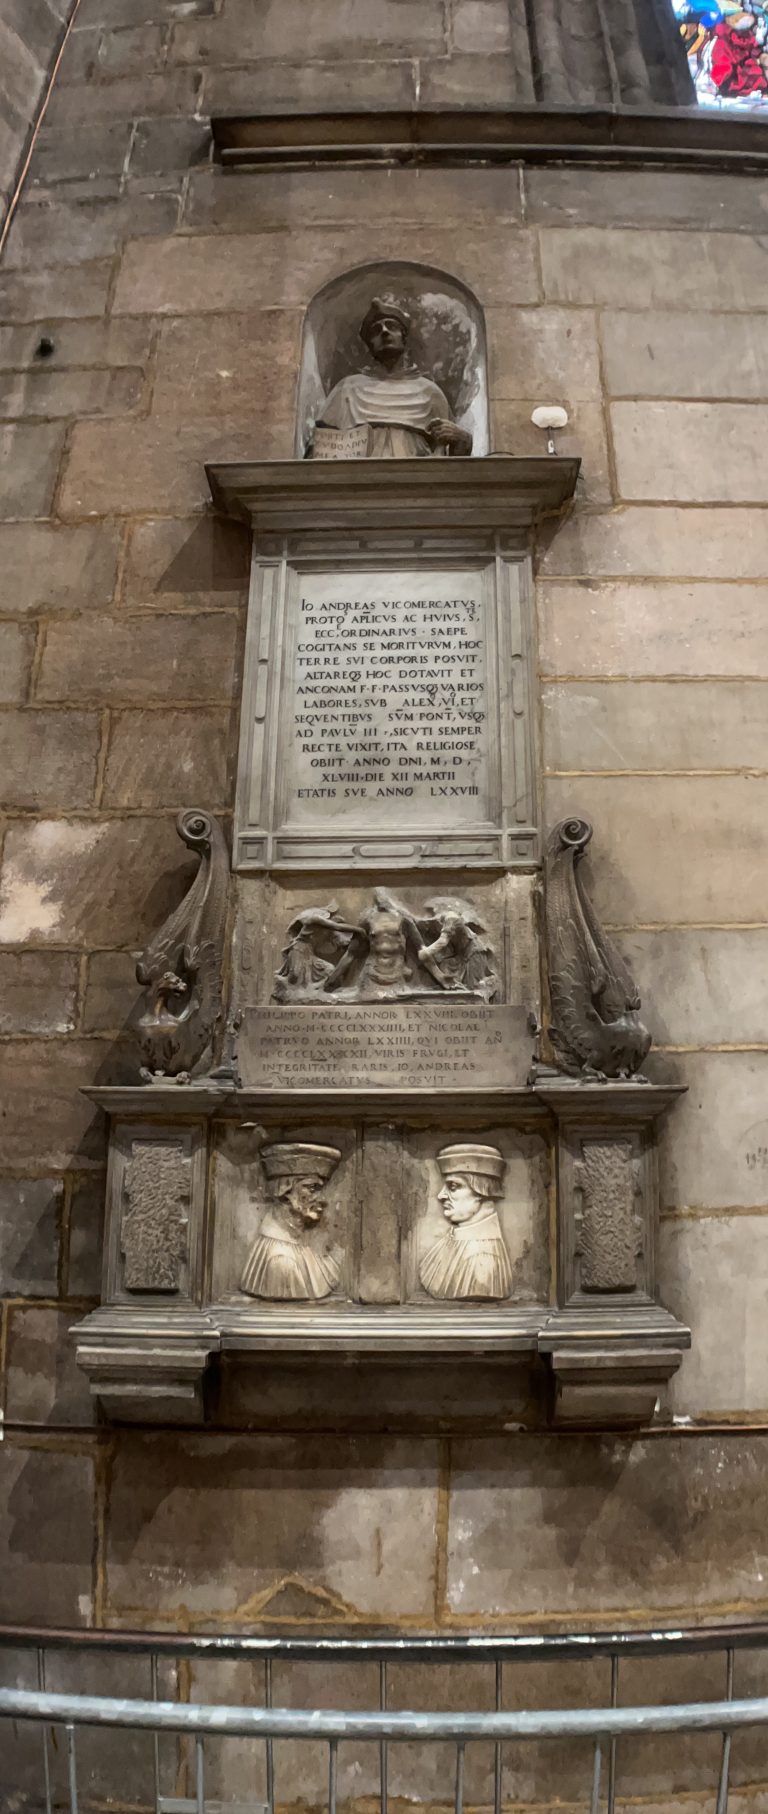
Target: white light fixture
{"points": [[549, 416]]}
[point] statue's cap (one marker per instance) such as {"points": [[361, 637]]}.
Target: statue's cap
{"points": [[485, 1161], [381, 306], [299, 1160]]}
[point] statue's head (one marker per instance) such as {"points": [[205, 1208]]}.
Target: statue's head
{"points": [[385, 329], [296, 1174], [473, 1176]]}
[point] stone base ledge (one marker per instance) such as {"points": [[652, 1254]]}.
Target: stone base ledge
{"points": [[609, 1366]]}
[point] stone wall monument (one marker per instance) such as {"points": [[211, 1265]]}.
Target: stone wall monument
{"points": [[367, 1172]]}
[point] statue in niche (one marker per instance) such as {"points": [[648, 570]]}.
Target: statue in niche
{"points": [[596, 1031], [469, 1259], [180, 970], [282, 1263], [391, 953], [393, 413]]}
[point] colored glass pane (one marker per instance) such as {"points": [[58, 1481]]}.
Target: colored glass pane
{"points": [[727, 48]]}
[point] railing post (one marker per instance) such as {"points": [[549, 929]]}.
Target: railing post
{"points": [[725, 1761]]}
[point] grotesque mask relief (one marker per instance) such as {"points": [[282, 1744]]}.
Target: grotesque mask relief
{"points": [[392, 411], [390, 953], [469, 1259], [285, 1261]]}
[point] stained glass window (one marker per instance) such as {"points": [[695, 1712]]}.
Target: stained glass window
{"points": [[727, 48]]}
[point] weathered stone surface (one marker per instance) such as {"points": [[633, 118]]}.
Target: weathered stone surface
{"points": [[311, 198], [283, 28], [653, 443], [483, 27], [667, 725], [45, 1114], [69, 233], [663, 544], [135, 659], [16, 649], [46, 1520], [93, 882], [94, 151], [86, 1237], [715, 1273], [512, 431], [171, 92], [111, 14], [48, 759], [676, 849], [39, 295], [38, 991], [229, 368], [136, 50], [715, 1153], [712, 628], [544, 353], [379, 83], [111, 991], [44, 1384], [246, 271], [716, 356], [30, 1214], [625, 269], [160, 145], [200, 561], [49, 568], [29, 460], [77, 343], [354, 1518], [167, 759], [152, 465], [468, 81], [646, 198], [656, 1527], [700, 987]]}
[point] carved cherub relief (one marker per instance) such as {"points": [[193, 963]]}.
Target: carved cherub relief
{"points": [[469, 1259], [392, 953], [283, 1262]]}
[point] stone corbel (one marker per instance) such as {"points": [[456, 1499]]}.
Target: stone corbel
{"points": [[611, 1345], [147, 1348]]}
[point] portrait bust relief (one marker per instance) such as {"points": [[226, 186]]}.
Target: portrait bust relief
{"points": [[406, 413], [469, 1258], [283, 1263]]}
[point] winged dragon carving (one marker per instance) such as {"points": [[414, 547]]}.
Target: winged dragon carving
{"points": [[596, 1031], [180, 970]]}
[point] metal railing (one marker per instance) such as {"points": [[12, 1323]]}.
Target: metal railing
{"points": [[265, 1726]]}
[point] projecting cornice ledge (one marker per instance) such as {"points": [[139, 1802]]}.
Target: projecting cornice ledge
{"points": [[500, 491], [527, 134]]}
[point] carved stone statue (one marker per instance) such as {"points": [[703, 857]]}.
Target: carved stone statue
{"points": [[596, 1032], [469, 1259], [390, 953], [405, 413], [180, 970], [282, 1264]]}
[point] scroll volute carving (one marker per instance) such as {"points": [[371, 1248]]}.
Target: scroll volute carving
{"points": [[596, 1032], [181, 968]]}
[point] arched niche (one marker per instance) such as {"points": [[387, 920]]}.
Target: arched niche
{"points": [[447, 341]]}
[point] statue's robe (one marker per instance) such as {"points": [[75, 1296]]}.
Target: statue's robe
{"points": [[279, 1266], [468, 1260], [398, 411]]}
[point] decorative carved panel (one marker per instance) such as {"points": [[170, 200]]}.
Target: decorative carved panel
{"points": [[608, 1236], [155, 1221]]}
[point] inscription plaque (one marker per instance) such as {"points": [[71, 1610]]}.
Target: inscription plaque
{"points": [[425, 1045], [386, 718]]}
